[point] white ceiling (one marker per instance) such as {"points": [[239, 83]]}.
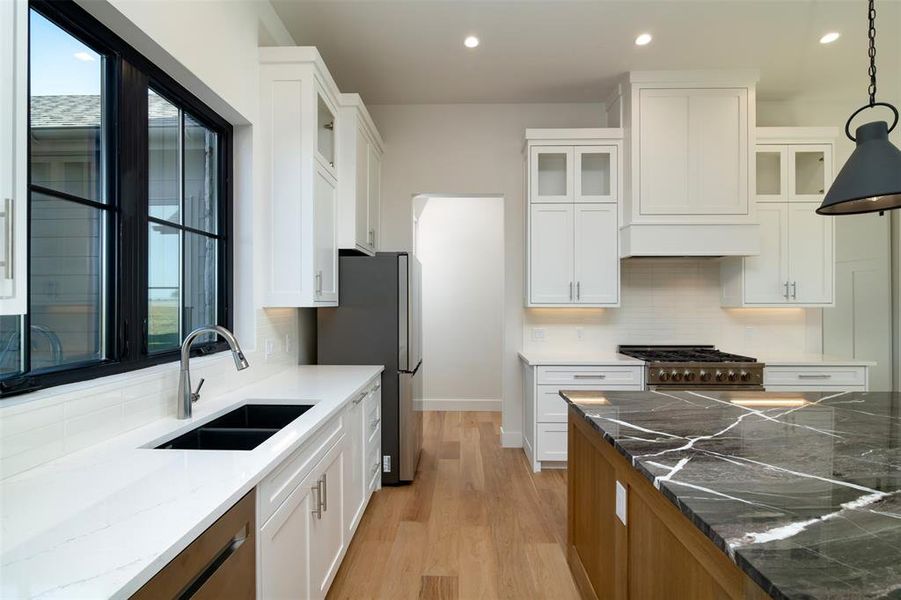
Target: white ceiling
{"points": [[408, 52]]}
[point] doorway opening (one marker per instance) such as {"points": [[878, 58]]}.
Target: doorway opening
{"points": [[459, 240]]}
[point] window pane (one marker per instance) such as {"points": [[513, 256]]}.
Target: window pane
{"points": [[201, 276], [201, 169], [162, 132], [66, 112], [67, 282], [164, 288], [10, 345]]}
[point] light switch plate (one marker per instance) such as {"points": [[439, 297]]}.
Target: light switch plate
{"points": [[537, 334], [621, 502]]}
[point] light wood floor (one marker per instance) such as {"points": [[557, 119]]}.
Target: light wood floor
{"points": [[476, 523]]}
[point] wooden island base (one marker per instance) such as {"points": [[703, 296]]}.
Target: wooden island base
{"points": [[658, 553]]}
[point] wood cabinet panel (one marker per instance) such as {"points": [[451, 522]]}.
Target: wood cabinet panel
{"points": [[658, 554]]}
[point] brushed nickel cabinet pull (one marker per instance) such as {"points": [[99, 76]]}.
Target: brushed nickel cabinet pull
{"points": [[814, 376], [323, 491], [794, 290], [578, 290], [577, 376], [785, 295], [317, 491]]}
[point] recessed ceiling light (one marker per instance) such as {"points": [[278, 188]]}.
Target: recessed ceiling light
{"points": [[643, 40], [471, 41], [830, 37], [83, 56]]}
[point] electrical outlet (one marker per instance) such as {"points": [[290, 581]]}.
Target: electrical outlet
{"points": [[621, 502], [580, 333], [537, 334], [269, 348]]}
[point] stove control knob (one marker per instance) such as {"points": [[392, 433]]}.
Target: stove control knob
{"points": [[732, 376], [704, 375], [662, 375], [744, 376], [688, 375], [720, 376], [676, 375]]}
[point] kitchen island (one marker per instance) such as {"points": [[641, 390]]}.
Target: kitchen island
{"points": [[735, 494]]}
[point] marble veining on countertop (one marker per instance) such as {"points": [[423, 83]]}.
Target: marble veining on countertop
{"points": [[581, 359], [801, 491], [101, 522]]}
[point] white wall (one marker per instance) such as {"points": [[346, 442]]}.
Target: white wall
{"points": [[470, 149], [222, 70], [460, 243]]}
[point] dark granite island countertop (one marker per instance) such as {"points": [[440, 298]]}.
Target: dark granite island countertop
{"points": [[801, 491]]}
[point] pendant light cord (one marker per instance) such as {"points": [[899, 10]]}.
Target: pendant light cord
{"points": [[872, 51]]}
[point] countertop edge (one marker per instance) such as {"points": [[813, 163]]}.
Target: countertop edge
{"points": [[610, 360]]}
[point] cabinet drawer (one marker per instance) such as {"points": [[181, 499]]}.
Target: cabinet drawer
{"points": [[608, 378], [815, 377], [551, 441], [374, 464], [279, 484]]}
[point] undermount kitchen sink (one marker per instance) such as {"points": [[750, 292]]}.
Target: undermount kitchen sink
{"points": [[244, 428]]}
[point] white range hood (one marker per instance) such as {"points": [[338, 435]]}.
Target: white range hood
{"points": [[703, 239], [689, 174]]}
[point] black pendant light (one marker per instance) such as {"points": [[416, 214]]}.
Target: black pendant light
{"points": [[871, 179]]}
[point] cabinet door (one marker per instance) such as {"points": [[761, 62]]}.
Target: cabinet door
{"points": [[551, 254], [325, 252], [693, 152], [551, 174], [325, 132], [285, 547], [355, 471], [13, 157], [361, 191], [809, 172], [327, 528], [810, 251], [772, 173], [595, 174], [596, 255], [375, 195], [766, 275]]}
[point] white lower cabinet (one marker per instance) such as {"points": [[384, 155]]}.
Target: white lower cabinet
{"points": [[816, 378], [545, 411], [311, 504]]}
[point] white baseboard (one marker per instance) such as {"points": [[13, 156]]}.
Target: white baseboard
{"points": [[469, 404], [511, 439]]}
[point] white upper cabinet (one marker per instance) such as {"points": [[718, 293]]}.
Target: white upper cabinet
{"points": [[574, 186], [796, 264], [595, 174], [13, 157], [299, 148], [552, 174], [359, 189], [551, 251]]}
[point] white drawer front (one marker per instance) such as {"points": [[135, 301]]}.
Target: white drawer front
{"points": [[279, 484], [806, 378], [551, 442], [608, 378], [551, 408]]}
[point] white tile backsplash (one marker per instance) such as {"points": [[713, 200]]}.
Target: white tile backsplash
{"points": [[39, 427], [674, 301]]}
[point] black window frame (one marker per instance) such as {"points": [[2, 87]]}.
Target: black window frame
{"points": [[128, 76]]}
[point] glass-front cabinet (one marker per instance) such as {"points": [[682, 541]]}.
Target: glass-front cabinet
{"points": [[793, 172]]}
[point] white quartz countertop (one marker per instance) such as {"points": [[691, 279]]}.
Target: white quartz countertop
{"points": [[101, 522], [581, 359], [812, 360]]}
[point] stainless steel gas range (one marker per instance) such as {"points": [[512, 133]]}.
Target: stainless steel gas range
{"points": [[696, 367]]}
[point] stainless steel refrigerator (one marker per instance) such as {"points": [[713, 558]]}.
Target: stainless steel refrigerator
{"points": [[377, 322]]}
